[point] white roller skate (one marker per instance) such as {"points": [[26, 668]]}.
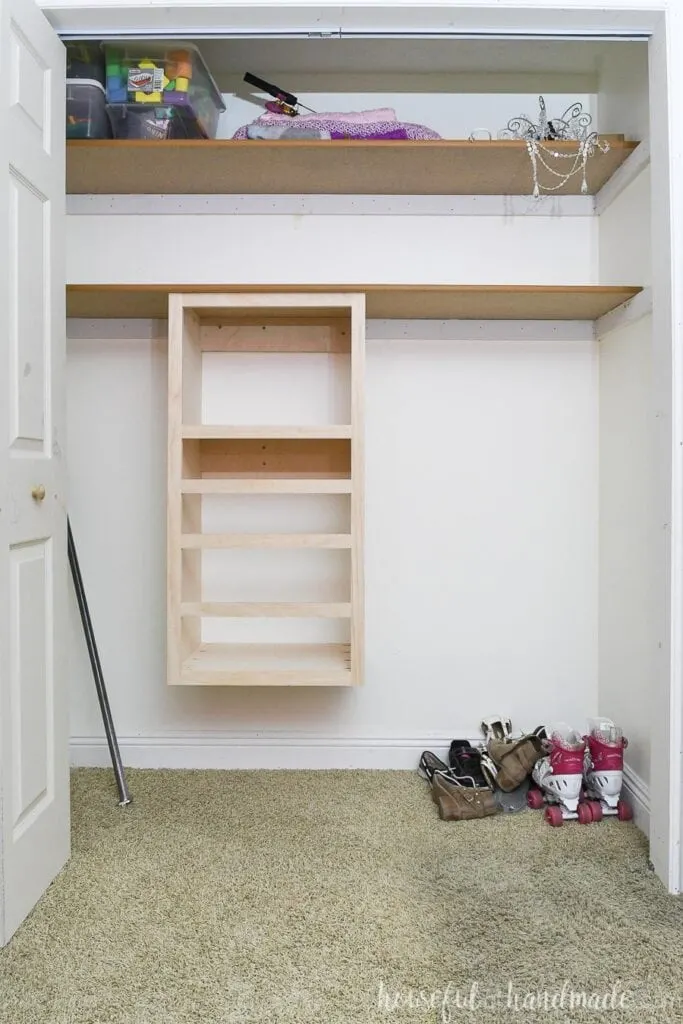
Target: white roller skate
{"points": [[559, 778], [604, 770]]}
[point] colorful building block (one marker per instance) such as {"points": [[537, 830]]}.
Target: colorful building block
{"points": [[179, 64], [116, 91]]}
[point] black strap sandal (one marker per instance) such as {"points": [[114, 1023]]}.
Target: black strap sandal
{"points": [[430, 765]]}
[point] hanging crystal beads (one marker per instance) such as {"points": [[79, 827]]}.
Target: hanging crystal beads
{"points": [[573, 126]]}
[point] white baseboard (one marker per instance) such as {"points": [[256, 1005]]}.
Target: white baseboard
{"points": [[257, 750], [277, 750], [637, 792]]}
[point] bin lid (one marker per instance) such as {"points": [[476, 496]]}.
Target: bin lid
{"points": [[86, 81]]}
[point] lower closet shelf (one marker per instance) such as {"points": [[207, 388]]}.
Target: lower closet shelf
{"points": [[268, 665]]}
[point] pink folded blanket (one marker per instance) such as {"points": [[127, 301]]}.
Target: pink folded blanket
{"points": [[365, 124]]}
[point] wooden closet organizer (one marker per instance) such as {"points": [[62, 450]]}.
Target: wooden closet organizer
{"points": [[208, 460]]}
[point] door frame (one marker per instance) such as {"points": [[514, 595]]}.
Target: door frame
{"points": [[660, 21]]}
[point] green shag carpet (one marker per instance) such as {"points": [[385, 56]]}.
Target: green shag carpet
{"points": [[338, 898]]}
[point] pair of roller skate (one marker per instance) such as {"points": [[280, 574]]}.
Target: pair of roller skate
{"points": [[580, 778]]}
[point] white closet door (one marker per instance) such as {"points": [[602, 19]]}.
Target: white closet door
{"points": [[34, 779]]}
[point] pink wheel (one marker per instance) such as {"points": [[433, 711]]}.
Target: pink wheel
{"points": [[534, 799], [553, 815], [584, 814], [624, 811], [596, 810]]}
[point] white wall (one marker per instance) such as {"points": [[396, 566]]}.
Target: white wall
{"points": [[481, 560], [629, 628], [453, 115], [627, 537], [623, 100], [624, 230], [303, 249]]}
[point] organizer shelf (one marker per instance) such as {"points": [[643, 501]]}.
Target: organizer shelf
{"points": [[383, 301], [209, 461], [302, 167]]}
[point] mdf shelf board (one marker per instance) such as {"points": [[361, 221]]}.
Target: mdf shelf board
{"points": [[383, 302], [268, 665], [322, 167], [244, 306], [219, 541], [266, 610], [294, 433], [267, 485]]}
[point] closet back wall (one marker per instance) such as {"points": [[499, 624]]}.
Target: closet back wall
{"points": [[481, 561], [481, 489], [544, 247]]}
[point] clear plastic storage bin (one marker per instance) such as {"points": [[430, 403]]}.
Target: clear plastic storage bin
{"points": [[154, 75], [86, 111]]}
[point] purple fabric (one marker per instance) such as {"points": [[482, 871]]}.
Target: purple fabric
{"points": [[339, 129], [396, 133]]}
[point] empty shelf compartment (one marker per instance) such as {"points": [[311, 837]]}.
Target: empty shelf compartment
{"points": [[249, 458], [268, 665]]}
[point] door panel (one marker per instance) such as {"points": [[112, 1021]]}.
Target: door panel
{"points": [[32, 681], [34, 780], [29, 229]]}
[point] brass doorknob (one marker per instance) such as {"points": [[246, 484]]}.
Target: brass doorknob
{"points": [[38, 493]]}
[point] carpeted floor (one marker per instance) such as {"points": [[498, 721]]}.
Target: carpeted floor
{"points": [[337, 898]]}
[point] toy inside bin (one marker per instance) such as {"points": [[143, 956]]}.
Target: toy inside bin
{"points": [[152, 74], [86, 110], [138, 121]]}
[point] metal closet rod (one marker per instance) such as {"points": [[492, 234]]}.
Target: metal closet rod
{"points": [[89, 633]]}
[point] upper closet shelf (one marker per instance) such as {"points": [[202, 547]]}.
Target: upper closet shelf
{"points": [[383, 301], [295, 167]]}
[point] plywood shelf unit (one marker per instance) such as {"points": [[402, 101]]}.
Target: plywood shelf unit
{"points": [[230, 464], [300, 167], [382, 301]]}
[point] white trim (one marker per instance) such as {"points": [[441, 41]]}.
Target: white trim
{"points": [[566, 18], [627, 313], [637, 792], [633, 165], [666, 137], [263, 750], [550, 331], [260, 750], [330, 205], [675, 87]]}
